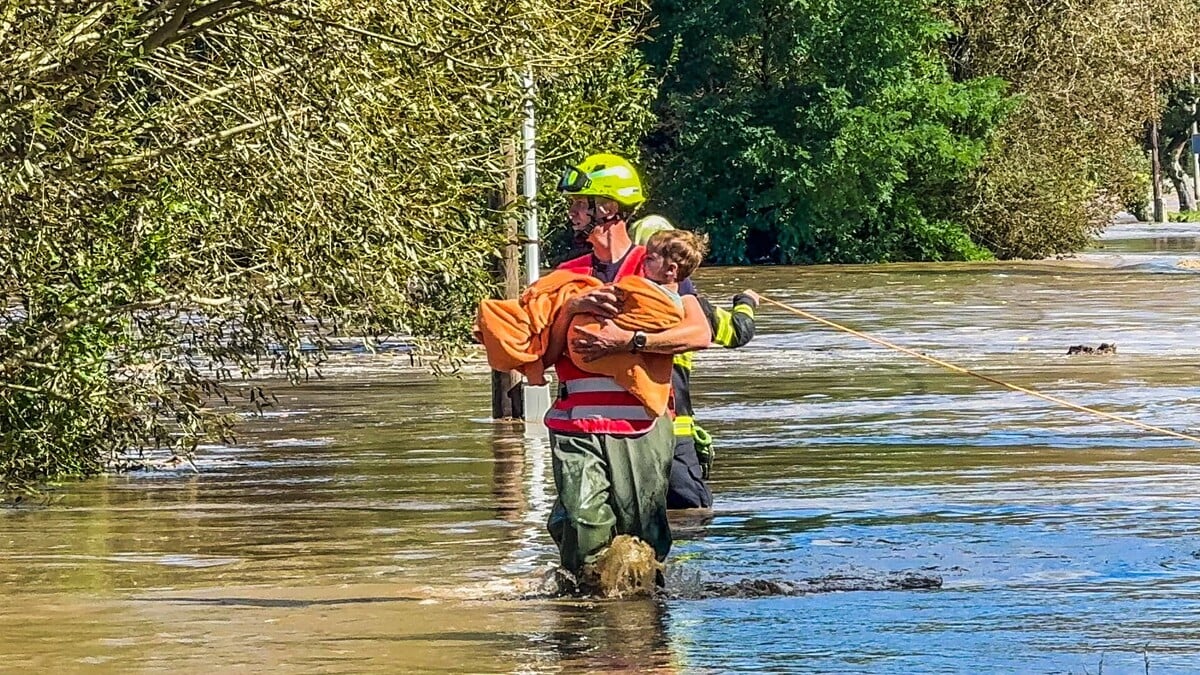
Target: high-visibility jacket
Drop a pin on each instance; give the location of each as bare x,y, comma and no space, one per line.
595,404
730,329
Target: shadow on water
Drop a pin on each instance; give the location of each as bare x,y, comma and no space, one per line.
873,514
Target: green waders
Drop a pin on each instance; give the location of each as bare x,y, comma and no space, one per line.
610,485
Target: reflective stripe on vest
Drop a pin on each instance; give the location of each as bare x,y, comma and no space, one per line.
685,425
745,309
601,412
592,385
684,360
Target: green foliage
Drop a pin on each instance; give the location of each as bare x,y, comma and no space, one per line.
196,190
1175,134
1185,217
1066,160
1135,193
817,130
603,107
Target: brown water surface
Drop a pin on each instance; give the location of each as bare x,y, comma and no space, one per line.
377,521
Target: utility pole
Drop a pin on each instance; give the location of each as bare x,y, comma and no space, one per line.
512,397
1160,215
528,140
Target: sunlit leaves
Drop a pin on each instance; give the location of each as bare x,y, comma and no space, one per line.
1086,76
191,192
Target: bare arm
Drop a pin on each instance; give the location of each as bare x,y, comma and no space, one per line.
690,335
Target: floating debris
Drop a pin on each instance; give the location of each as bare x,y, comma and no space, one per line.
1104,348
833,583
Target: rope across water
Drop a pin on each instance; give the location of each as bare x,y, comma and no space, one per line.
986,378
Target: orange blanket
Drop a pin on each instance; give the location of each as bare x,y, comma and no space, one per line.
515,333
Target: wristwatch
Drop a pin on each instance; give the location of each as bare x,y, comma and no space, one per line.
638,342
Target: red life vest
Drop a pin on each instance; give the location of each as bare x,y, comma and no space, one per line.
595,404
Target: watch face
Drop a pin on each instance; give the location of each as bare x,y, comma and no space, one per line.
639,340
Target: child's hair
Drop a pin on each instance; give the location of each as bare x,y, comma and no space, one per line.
685,249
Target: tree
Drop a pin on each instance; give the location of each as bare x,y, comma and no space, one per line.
1085,75
1179,113
816,130
193,190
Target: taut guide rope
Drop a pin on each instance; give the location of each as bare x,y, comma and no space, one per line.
986,378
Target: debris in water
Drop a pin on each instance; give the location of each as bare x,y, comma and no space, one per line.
759,588
627,568
1104,348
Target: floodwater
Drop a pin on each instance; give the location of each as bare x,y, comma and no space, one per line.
377,521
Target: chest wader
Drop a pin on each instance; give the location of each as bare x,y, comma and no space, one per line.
610,485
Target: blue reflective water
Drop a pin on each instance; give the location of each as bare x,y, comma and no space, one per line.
376,521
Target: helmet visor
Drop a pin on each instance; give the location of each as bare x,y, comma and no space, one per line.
574,179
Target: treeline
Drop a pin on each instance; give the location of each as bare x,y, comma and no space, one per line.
193,190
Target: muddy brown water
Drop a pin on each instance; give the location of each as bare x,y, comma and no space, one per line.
377,521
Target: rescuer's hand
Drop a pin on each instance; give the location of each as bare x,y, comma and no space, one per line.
601,303
592,344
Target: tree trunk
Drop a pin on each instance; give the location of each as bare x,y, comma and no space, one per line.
508,401
1173,158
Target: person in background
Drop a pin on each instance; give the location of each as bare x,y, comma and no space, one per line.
731,328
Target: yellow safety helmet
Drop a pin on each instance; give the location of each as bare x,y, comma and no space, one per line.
647,227
604,175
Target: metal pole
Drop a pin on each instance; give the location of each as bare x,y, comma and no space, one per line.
1160,214
1195,146
528,137
536,399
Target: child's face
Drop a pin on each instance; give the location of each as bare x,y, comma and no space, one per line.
658,269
